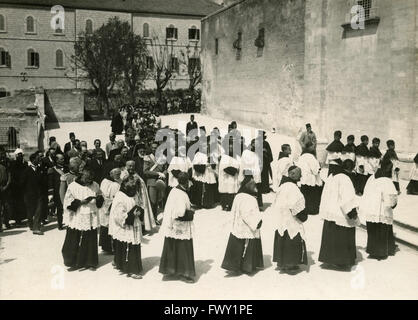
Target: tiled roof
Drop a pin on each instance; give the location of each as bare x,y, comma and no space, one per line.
173,7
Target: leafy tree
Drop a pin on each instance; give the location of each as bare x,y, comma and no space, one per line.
110,56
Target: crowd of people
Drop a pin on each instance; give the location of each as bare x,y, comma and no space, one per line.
111,197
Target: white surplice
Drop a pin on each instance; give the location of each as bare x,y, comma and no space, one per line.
338,199
250,163
177,203
109,189
87,215
228,183
310,170
118,229
177,163
288,203
247,216
379,197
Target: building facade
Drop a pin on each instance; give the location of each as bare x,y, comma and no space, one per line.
283,63
37,37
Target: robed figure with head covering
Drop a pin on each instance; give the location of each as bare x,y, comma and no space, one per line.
177,258
339,211
244,253
289,209
376,208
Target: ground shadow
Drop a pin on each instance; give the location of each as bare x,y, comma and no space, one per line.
266,206
359,255
267,261
50,226
326,266
7,261
149,263
11,233
104,259
202,267
311,261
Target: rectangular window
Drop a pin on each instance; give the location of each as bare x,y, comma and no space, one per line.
367,6
194,34
150,63
33,59
174,64
194,65
172,33
4,93
5,59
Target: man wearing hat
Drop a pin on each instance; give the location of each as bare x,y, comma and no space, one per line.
5,180
308,136
17,168
69,145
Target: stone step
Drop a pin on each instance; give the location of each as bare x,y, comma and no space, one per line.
404,234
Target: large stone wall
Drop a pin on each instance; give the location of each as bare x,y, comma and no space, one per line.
262,90
359,81
64,105
20,113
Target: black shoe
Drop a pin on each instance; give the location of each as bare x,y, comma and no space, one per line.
8,226
45,222
38,232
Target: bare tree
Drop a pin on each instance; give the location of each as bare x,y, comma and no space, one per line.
163,64
134,67
191,58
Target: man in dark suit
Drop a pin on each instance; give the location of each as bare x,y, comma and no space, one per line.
155,172
69,145
96,166
117,123
54,182
120,145
32,189
139,159
191,125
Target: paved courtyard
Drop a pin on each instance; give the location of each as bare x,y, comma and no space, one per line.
31,267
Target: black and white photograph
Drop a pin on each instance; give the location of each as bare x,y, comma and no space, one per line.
222,150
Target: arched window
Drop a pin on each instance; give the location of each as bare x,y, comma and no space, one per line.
30,24
12,138
59,58
33,58
58,28
145,30
171,32
2,23
4,92
194,33
3,57
89,26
